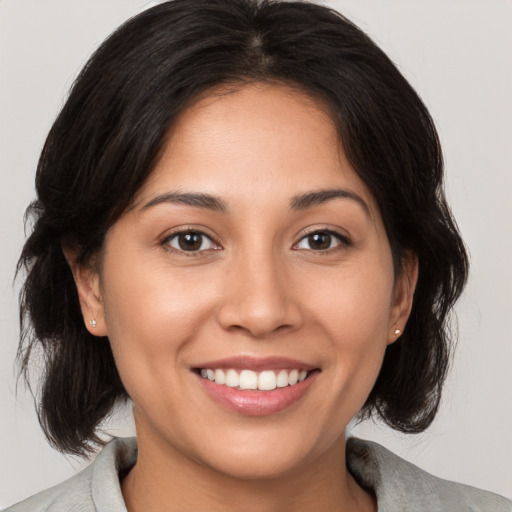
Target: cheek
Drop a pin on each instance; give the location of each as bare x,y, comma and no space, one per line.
353,308
353,302
151,314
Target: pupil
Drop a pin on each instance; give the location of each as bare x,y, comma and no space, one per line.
320,241
190,241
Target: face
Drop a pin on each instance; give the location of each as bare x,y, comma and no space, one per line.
253,257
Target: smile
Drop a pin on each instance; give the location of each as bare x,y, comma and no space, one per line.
256,386
266,380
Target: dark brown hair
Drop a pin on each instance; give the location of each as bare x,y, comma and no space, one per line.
107,138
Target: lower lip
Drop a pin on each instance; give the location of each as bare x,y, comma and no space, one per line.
254,402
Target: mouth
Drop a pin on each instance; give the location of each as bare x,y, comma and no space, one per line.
245,379
256,387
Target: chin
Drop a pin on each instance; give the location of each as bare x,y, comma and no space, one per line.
266,456
258,466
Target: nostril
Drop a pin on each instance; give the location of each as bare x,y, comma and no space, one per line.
258,303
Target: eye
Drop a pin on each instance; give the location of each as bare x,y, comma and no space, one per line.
321,241
190,241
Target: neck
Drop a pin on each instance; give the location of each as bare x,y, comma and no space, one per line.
165,479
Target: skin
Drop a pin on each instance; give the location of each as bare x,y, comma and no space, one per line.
258,288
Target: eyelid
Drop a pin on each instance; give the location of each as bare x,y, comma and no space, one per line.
164,241
344,239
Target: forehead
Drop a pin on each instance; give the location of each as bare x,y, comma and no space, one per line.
270,106
252,142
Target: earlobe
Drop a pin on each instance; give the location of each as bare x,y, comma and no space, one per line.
87,281
403,294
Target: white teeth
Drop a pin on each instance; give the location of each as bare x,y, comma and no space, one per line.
293,377
282,379
266,380
232,379
248,379
220,377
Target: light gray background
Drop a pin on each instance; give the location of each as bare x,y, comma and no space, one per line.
457,54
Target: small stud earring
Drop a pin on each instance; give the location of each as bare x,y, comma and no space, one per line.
398,332
93,323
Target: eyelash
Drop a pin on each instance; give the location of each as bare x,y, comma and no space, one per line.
166,242
343,241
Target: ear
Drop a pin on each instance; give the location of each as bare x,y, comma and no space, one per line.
403,293
87,280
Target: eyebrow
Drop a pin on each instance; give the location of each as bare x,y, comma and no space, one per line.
300,202
206,201
315,198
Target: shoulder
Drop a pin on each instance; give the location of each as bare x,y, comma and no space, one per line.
73,494
400,485
96,488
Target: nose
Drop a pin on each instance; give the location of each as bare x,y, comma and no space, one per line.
259,299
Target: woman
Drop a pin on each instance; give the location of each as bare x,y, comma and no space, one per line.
240,225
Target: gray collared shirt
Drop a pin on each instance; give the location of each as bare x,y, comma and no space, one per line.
397,484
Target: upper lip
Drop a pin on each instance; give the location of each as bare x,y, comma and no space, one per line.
256,363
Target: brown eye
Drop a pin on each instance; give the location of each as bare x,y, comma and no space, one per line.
190,241
321,241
